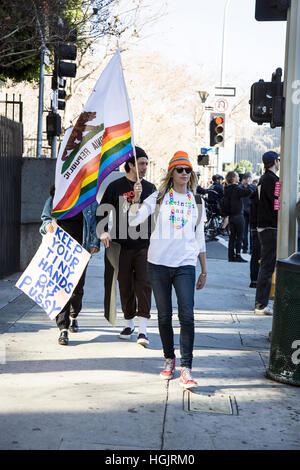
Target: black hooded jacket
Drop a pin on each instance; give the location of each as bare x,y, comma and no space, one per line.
235,193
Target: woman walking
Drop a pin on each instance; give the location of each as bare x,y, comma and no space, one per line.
176,242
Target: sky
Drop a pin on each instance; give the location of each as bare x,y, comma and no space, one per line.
191,32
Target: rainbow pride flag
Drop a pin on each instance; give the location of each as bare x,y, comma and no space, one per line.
99,143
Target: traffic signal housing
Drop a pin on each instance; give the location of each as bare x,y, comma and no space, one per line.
271,10
217,129
267,102
53,126
203,160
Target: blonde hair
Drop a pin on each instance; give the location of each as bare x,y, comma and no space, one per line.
167,182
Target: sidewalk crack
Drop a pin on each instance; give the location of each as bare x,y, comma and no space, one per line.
165,417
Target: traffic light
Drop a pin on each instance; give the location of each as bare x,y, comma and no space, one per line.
61,93
203,160
217,129
266,101
66,52
62,68
53,126
271,10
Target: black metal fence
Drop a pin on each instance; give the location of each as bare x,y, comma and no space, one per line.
11,149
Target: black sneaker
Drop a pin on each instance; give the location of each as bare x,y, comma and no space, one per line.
143,340
63,338
126,333
239,259
74,325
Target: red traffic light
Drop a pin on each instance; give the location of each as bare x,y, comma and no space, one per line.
219,120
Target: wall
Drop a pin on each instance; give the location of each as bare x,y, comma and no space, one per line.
37,177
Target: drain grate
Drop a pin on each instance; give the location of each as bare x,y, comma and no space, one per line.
209,403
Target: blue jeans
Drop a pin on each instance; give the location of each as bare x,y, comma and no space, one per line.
162,278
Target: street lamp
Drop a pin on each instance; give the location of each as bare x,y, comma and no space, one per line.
203,96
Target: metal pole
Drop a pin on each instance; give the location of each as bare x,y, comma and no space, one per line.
289,162
41,104
223,41
54,110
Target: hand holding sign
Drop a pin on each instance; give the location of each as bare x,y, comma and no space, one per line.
54,271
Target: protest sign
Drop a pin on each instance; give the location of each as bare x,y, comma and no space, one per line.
54,271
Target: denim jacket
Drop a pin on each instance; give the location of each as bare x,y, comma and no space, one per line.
89,223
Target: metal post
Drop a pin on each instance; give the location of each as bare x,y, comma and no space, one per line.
223,41
54,110
41,104
289,162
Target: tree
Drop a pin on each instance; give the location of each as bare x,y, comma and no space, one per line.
28,26
243,166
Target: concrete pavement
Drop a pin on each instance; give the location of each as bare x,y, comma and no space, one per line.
104,393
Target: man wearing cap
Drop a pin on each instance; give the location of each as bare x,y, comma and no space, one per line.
267,212
134,288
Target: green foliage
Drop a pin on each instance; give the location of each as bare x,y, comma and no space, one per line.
243,166
25,27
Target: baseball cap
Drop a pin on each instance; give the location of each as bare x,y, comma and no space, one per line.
270,156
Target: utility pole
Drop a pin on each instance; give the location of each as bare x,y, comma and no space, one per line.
41,103
289,162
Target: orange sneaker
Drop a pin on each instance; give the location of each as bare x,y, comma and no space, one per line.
169,369
186,380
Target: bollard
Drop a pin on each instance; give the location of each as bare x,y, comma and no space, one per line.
284,363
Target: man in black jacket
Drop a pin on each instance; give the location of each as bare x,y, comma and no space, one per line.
267,212
134,287
233,194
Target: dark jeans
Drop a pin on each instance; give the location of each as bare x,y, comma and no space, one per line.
162,279
236,225
255,256
74,227
135,289
268,243
246,235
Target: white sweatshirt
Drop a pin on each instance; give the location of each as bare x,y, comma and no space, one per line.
170,246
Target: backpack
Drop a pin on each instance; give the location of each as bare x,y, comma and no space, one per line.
224,203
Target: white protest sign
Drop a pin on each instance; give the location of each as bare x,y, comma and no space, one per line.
54,271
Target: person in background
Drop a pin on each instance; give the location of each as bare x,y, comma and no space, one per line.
267,215
255,252
134,287
175,244
66,320
233,194
247,181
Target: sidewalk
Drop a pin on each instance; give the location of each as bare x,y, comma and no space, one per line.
104,393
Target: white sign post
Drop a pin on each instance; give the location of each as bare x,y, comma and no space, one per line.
54,271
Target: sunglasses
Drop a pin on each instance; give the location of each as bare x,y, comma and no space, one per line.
187,170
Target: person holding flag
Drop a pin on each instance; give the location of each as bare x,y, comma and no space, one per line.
131,261
100,141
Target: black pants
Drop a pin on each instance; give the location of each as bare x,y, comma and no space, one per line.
74,227
255,256
268,243
236,225
134,286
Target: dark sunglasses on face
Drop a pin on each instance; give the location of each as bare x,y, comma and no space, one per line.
187,170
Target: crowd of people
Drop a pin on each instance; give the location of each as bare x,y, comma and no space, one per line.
159,235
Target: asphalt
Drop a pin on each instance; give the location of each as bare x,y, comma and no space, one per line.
102,393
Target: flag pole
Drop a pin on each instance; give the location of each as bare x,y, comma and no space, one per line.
129,114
